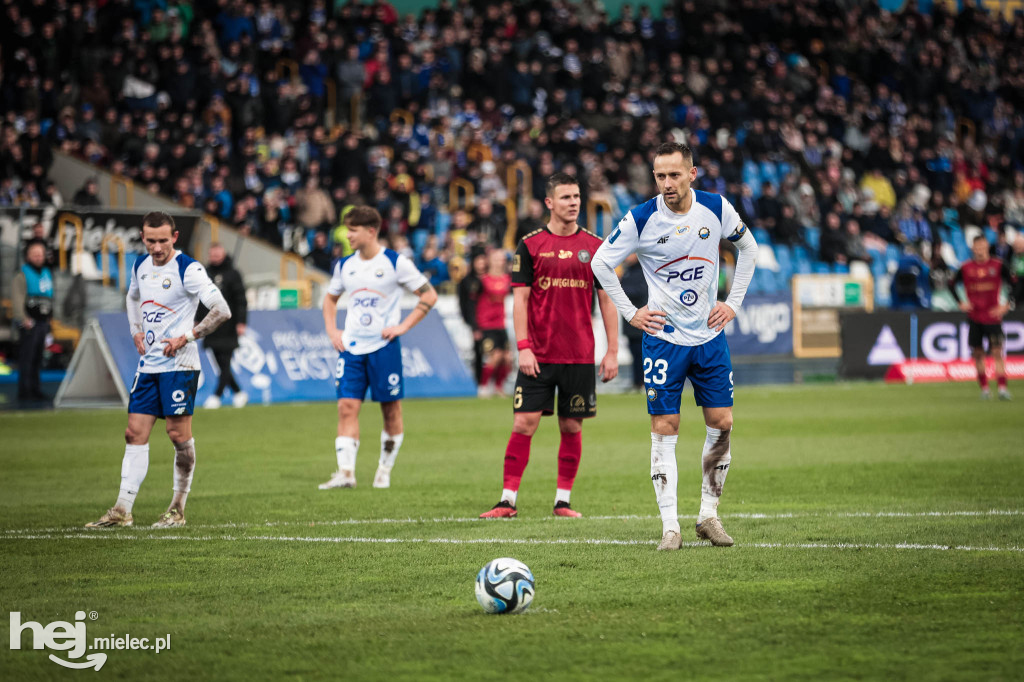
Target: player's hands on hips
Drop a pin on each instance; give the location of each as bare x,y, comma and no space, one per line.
609,366
965,306
140,343
393,332
172,346
650,321
336,340
528,364
721,315
1000,310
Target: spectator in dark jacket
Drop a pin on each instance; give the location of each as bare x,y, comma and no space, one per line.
224,340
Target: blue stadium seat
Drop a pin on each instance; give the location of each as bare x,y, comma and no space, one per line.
769,173
112,260
761,235
444,221
820,268
892,256
877,261
813,237
784,169
418,240
785,260
801,260
960,248
841,268
129,260
882,295
752,177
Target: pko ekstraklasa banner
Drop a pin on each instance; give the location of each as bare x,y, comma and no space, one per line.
763,326
285,356
922,346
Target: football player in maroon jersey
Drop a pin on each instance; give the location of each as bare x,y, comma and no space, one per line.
982,278
553,293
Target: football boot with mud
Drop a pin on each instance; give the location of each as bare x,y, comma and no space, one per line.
711,529
670,540
172,518
114,518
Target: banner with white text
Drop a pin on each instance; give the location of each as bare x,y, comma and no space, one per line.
285,356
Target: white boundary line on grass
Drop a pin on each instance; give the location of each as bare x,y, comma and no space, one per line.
622,517
114,535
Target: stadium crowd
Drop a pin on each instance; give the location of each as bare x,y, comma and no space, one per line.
841,132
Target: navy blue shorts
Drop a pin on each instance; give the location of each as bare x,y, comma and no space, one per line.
379,371
164,394
667,366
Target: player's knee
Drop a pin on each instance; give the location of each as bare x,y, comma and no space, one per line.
130,436
524,425
177,434
722,423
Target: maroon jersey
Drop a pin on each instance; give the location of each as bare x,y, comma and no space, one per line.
982,282
557,270
490,307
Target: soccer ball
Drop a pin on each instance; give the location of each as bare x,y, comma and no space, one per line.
504,586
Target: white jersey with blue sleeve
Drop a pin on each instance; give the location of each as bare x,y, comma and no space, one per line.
374,289
679,257
168,296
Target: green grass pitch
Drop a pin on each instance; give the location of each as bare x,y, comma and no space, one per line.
878,533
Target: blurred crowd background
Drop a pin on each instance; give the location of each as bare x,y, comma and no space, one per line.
846,136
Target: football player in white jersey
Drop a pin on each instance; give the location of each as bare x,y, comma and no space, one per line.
676,238
370,355
165,290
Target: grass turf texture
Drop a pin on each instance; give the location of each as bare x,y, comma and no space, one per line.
288,592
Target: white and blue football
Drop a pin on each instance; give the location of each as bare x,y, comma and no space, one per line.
504,586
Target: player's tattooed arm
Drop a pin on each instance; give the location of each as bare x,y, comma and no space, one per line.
218,314
426,305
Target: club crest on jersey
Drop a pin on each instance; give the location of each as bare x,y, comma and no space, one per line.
688,297
652,394
379,273
703,233
166,284
664,240
584,256
563,254
682,229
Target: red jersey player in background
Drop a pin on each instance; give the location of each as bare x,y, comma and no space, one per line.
553,292
490,320
982,277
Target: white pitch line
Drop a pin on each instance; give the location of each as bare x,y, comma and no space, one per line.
621,517
504,541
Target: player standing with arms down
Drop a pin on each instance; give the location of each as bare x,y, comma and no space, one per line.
982,277
676,237
370,355
553,291
166,288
